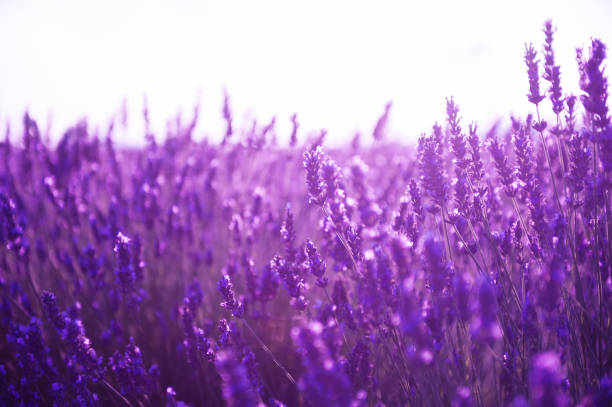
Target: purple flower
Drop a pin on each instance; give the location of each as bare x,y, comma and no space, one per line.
332,179
288,235
462,161
125,276
230,302
344,309
595,86
579,159
324,382
500,159
433,178
358,366
312,164
195,294
381,124
81,353
534,95
316,264
545,380
293,281
404,323
227,115
235,385
91,263
522,149
124,270
268,283
52,311
486,327
12,227
138,263
196,341
250,273
415,198
129,371
552,72
438,269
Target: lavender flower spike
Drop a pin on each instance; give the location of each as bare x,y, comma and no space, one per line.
595,85
230,302
312,164
316,264
534,95
552,72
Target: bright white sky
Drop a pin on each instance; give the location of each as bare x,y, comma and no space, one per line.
335,63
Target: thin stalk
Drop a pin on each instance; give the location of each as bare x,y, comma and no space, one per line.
520,217
398,372
116,393
560,146
269,352
596,231
478,391
445,229
586,313
507,273
600,325
552,175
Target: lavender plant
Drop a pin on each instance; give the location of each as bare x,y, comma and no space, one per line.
473,269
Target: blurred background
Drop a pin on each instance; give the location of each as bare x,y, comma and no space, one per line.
335,63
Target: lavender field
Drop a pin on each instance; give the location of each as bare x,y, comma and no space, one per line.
470,269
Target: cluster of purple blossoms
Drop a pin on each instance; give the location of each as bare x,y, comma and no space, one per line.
230,302
472,269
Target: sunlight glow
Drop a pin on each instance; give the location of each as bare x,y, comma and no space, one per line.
334,63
